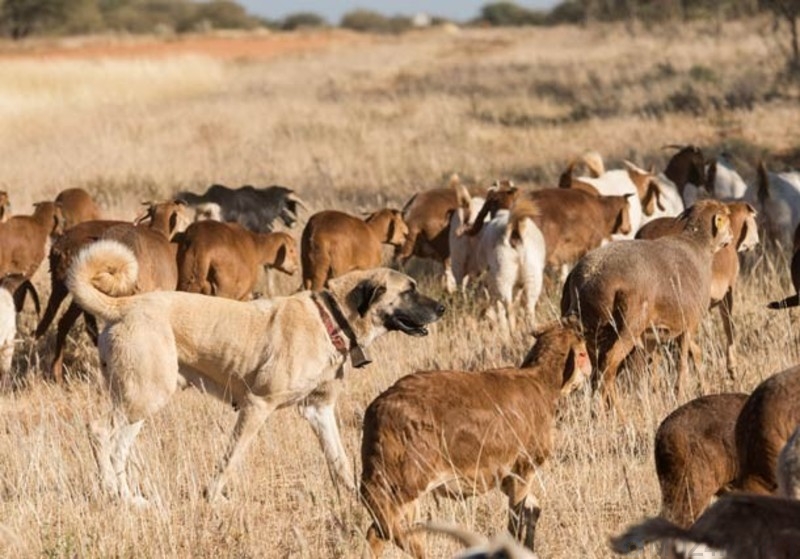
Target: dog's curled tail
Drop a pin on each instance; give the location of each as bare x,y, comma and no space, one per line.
101,275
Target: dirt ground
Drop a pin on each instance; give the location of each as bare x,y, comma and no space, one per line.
222,46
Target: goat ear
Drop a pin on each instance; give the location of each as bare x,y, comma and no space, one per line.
365,294
173,222
719,221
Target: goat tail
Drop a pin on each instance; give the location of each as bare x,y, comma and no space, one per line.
763,181
523,209
101,275
649,531
594,162
789,302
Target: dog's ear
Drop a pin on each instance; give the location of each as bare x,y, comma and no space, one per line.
365,294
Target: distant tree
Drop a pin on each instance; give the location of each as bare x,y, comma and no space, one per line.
303,19
509,13
20,18
225,14
368,20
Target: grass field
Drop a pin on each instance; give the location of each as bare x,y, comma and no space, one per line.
357,124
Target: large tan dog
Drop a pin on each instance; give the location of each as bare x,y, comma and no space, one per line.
261,355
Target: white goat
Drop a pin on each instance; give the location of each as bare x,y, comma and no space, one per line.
777,196
13,288
648,200
463,247
512,247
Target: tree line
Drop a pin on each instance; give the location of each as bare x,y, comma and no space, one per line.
22,18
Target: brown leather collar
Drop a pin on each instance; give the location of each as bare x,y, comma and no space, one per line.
335,332
339,330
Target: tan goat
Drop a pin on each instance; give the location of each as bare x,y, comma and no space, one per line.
460,433
624,290
224,259
150,243
334,243
77,206
725,266
695,454
23,239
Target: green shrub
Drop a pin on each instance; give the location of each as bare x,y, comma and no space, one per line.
510,14
374,22
303,19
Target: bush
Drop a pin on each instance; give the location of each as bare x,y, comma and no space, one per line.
510,14
303,19
367,20
567,12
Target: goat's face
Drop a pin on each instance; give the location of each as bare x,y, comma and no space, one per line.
709,221
287,258
743,225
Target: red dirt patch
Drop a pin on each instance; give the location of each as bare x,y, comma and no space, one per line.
254,46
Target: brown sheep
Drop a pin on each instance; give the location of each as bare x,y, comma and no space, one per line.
334,243
725,266
460,433
156,270
625,289
77,206
23,239
738,526
769,417
574,222
794,269
695,454
224,259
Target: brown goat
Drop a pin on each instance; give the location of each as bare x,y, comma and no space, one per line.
738,526
624,290
463,433
427,216
150,244
695,453
334,243
23,239
794,269
224,259
769,417
725,265
77,206
574,222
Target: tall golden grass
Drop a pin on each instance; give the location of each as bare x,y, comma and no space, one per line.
358,127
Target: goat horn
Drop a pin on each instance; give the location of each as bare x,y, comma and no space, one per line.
296,199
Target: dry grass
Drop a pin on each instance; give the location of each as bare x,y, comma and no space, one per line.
359,127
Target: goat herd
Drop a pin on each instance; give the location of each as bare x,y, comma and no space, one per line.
453,433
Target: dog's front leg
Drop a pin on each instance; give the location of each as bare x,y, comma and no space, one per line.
319,410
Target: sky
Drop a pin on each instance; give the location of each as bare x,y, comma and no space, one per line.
332,10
